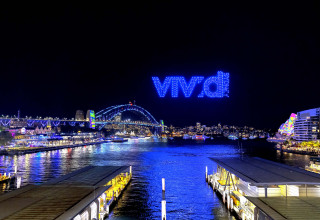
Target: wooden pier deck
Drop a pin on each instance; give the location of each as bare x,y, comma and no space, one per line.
65,197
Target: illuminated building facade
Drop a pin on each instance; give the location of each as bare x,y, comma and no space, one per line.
307,125
287,128
91,118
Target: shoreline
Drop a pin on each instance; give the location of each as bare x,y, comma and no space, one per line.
299,152
43,149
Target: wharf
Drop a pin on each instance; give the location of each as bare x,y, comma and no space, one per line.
302,152
30,150
289,208
87,193
255,188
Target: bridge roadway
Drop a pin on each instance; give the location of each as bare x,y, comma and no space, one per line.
88,193
102,118
54,122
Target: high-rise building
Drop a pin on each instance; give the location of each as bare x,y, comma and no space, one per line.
306,126
79,115
88,115
198,126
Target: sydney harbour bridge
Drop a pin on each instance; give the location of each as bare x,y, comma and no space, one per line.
101,120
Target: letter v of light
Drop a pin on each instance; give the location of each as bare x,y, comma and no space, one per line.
161,88
188,89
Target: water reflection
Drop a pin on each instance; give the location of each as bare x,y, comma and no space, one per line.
181,163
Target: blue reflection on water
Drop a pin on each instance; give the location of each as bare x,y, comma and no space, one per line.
181,163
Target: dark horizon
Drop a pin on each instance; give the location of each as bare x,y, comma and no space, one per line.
55,60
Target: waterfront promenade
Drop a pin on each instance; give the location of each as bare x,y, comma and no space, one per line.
27,150
304,148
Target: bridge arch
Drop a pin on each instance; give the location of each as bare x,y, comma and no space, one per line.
110,112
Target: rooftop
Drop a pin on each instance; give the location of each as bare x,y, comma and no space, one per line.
60,198
289,208
261,172
89,176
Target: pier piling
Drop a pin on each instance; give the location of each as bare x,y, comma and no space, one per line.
228,202
18,181
163,202
163,210
163,185
207,173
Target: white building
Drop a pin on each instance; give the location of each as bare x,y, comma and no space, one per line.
306,126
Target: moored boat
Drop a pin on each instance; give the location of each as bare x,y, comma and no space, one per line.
232,137
314,165
199,137
119,139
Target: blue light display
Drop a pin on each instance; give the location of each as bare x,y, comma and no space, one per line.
221,81
175,86
188,89
162,89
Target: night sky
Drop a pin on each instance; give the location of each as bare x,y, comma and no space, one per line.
55,59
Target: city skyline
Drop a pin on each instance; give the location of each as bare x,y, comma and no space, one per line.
160,109
72,58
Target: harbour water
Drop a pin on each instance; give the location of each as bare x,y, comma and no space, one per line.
181,162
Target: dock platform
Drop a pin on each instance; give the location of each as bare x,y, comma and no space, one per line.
255,188
87,193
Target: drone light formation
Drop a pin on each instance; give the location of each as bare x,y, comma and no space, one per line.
221,81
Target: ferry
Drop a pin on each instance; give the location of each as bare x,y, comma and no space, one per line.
119,139
186,137
314,165
155,137
199,137
244,138
274,139
232,137
107,139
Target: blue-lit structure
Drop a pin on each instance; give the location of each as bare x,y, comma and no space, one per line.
102,118
162,88
106,116
221,82
6,121
187,89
